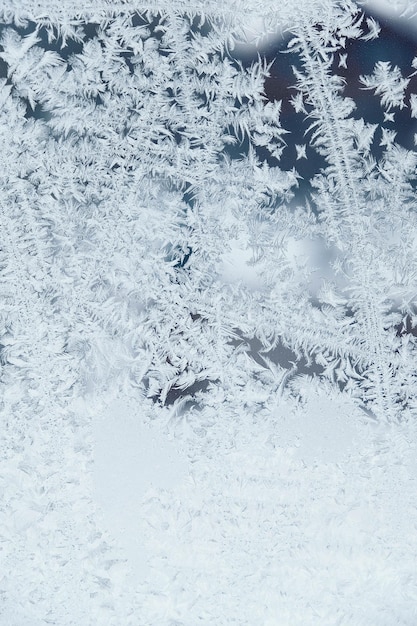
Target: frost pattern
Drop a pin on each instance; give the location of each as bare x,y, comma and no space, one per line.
138,151
119,155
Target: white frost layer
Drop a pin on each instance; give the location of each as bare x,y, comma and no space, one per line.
129,459
264,526
283,519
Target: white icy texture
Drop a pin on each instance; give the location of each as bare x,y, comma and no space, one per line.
208,380
256,522
129,459
270,525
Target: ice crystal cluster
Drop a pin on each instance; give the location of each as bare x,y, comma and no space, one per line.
142,158
137,150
